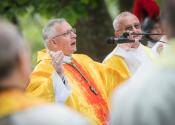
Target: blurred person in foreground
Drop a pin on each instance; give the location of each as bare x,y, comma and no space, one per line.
128,57
149,100
80,83
15,107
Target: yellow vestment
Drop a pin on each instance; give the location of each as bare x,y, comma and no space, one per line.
90,95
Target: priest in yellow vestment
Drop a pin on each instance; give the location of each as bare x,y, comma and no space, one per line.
81,83
128,57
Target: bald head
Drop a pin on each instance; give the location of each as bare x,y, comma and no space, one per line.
11,45
118,21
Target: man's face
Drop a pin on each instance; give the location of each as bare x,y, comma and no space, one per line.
65,38
129,23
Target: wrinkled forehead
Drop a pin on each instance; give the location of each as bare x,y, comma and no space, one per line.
62,27
128,20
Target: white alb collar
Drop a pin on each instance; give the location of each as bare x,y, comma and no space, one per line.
67,59
123,53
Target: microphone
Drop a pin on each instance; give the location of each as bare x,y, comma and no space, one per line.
113,40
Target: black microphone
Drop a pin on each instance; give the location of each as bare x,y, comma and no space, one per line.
113,40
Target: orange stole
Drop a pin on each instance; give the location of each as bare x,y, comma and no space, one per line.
94,98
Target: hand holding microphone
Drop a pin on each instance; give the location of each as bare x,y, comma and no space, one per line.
57,61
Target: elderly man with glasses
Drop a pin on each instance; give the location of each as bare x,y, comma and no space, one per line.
73,79
128,57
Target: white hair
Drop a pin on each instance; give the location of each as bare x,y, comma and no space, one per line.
49,29
116,22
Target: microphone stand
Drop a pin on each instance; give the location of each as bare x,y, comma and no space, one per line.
126,34
124,37
113,40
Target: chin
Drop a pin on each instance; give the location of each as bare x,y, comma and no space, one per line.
74,50
135,45
70,53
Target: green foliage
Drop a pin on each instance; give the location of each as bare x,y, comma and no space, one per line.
71,10
32,31
32,15
11,8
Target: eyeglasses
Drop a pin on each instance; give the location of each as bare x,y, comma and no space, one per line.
131,27
67,33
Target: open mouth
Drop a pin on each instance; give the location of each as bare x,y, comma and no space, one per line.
72,44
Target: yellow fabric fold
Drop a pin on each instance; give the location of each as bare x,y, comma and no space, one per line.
105,78
12,101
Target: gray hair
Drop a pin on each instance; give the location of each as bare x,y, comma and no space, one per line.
11,45
49,29
116,22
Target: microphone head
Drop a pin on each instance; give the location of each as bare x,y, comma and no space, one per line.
115,40
110,40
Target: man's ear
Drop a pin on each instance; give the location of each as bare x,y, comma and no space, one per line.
51,44
52,41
